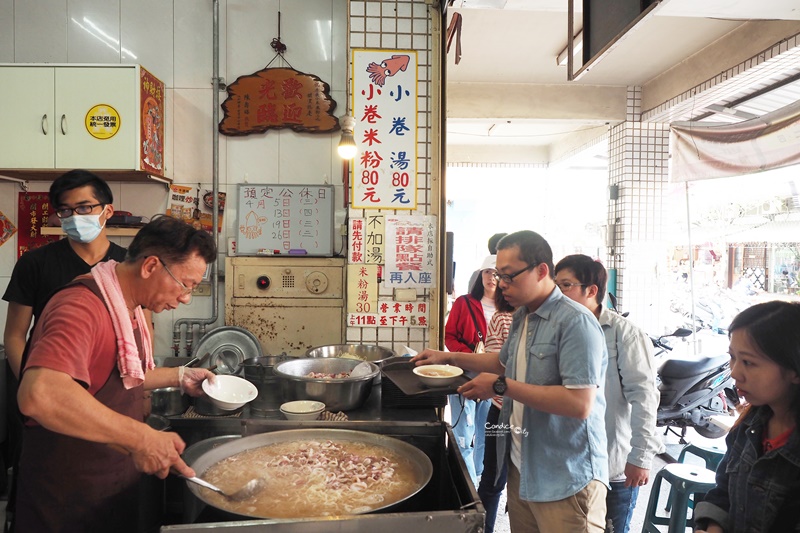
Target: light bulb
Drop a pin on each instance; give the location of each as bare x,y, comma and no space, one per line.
347,146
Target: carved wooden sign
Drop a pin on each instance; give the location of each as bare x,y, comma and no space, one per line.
276,98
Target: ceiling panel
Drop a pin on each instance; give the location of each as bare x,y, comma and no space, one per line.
733,9
518,41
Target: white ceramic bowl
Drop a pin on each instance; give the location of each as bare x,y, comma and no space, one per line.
302,410
230,392
438,375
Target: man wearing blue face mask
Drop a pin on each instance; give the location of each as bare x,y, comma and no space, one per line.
83,202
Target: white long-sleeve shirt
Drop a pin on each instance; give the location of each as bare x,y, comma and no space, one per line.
631,396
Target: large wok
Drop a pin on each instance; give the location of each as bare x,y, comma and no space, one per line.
423,468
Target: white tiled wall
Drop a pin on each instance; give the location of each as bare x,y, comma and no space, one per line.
638,163
397,24
174,40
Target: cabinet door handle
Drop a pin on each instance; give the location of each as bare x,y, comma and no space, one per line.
63,124
45,125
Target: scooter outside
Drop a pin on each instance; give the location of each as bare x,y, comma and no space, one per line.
693,390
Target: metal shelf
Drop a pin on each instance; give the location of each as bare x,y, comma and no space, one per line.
134,176
110,231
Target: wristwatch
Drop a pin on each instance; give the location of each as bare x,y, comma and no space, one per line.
500,386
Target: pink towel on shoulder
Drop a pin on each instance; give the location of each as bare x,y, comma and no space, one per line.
129,360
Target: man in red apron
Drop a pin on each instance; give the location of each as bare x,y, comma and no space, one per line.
87,367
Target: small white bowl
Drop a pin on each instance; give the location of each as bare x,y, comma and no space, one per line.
302,410
230,392
438,375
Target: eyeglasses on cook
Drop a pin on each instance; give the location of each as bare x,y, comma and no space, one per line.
186,290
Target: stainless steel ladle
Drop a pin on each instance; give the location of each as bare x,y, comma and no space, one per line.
250,489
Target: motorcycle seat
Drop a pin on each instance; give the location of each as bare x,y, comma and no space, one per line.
681,368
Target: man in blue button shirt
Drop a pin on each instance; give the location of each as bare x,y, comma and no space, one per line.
552,368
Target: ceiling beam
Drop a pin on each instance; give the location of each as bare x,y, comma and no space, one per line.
499,154
589,103
738,46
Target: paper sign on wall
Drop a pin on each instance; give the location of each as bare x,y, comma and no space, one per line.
385,109
355,241
152,148
7,228
374,237
34,210
362,288
186,203
392,314
410,251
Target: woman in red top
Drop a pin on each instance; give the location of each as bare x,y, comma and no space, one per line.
465,330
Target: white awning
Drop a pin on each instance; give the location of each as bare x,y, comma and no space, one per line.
716,151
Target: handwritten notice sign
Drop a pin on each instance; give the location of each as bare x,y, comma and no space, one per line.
276,98
355,242
385,109
362,288
410,251
374,234
285,219
392,314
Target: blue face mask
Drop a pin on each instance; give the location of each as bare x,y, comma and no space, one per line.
82,228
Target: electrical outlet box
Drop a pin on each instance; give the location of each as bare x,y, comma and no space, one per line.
203,289
343,230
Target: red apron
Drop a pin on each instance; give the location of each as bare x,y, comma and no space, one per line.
68,484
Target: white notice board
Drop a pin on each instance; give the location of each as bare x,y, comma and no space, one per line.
290,219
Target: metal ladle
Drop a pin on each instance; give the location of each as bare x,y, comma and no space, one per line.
250,489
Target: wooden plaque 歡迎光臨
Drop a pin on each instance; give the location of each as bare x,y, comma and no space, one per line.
276,98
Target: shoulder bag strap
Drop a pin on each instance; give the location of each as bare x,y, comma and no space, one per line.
475,320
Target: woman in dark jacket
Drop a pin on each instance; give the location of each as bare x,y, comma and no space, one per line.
465,330
758,480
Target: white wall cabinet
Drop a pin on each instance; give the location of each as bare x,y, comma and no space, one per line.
56,118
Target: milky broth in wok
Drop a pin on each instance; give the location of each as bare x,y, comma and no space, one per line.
313,478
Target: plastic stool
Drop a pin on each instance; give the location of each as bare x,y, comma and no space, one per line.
685,481
711,454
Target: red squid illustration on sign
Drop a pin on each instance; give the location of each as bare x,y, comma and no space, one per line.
251,229
387,68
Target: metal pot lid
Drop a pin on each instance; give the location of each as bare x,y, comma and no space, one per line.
227,347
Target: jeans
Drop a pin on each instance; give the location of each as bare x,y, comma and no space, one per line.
481,413
488,490
619,507
463,421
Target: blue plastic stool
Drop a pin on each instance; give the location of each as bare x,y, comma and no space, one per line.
711,454
685,481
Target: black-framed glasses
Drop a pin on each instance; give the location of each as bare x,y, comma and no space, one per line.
508,278
86,209
566,285
186,290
